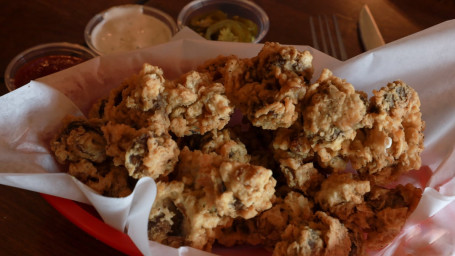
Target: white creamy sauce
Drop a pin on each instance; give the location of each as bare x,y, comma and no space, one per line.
128,28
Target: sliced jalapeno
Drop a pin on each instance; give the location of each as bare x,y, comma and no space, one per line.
216,25
251,26
228,30
203,21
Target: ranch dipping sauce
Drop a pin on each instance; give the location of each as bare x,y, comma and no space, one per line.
128,27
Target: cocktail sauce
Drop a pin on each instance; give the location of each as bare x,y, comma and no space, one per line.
44,66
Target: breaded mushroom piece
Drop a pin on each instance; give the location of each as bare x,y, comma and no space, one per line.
138,102
236,189
209,192
197,105
332,113
392,140
78,139
268,87
104,178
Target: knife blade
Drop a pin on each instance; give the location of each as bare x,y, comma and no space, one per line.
369,32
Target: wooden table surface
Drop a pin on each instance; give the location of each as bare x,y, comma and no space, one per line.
28,224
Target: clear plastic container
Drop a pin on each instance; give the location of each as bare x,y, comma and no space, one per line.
128,27
48,58
242,8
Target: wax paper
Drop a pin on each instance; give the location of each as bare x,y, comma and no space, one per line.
32,114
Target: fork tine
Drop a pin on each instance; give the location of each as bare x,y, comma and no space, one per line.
339,38
313,34
321,30
326,32
329,35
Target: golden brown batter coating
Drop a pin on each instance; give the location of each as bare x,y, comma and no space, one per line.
303,177
237,189
151,155
197,105
332,114
217,185
292,142
300,240
119,138
138,102
268,87
291,227
181,216
374,215
336,237
165,219
225,144
209,193
141,151
80,138
201,219
391,143
341,193
324,235
293,151
104,178
391,208
374,218
267,228
279,63
216,67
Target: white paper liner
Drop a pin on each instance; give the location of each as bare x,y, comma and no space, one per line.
425,61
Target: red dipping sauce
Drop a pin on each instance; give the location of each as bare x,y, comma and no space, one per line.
44,66
43,60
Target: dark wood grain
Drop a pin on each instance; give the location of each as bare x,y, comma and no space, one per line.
28,224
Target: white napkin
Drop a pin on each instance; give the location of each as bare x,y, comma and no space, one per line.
425,61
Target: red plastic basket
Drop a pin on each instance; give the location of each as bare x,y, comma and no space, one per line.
93,225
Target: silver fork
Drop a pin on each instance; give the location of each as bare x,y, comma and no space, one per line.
328,30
